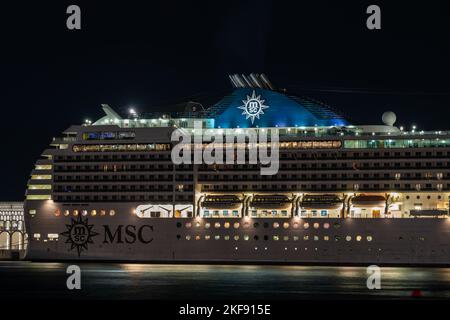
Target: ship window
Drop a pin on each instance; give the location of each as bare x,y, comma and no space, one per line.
84,213
37,236
358,238
225,213
93,213
66,212
236,225
306,237
75,213
217,225
316,238
369,238
57,213
286,225
188,225
236,237
197,237
276,238
188,237
326,238
326,225
207,237
337,238
217,237
286,238
206,213
227,237
348,238
306,225
207,225
295,225
295,238
246,237
32,212
276,225
103,212
235,213
112,212
226,225
52,236
197,224
316,225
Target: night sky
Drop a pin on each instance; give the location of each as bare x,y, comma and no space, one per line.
148,54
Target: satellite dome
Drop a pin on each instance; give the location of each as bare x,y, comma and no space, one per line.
389,118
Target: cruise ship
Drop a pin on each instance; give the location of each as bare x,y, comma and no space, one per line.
342,193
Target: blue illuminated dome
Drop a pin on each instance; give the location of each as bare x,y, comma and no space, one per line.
261,107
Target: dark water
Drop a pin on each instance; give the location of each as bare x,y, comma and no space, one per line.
146,281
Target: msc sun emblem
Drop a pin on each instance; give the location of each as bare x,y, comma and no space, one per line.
253,107
79,234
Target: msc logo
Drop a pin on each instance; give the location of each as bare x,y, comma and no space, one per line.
79,234
253,107
128,234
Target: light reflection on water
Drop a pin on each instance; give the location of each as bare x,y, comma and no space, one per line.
158,281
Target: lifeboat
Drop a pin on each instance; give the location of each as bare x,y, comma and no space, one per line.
221,202
364,200
271,201
320,201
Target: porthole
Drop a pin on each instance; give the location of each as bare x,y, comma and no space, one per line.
246,237
197,237
369,238
227,237
276,238
337,238
295,225
326,225
316,225
217,225
207,225
286,238
306,237
93,213
336,225
326,238
57,213
236,225
103,212
112,212
84,213
276,225
217,237
226,225
197,224
75,213
236,237
66,212
286,225
306,225
295,238
188,225
188,237
316,238
358,238
348,238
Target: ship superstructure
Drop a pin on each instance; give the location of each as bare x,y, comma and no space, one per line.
343,193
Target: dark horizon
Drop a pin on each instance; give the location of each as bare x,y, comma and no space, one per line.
146,55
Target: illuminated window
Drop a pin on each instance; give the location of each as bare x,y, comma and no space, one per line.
57,213
276,225
32,212
84,213
326,238
348,238
39,187
286,225
316,238
43,167
207,225
197,237
112,212
188,237
369,238
41,177
217,237
295,238
316,225
75,213
93,213
236,237
37,236
295,225
197,224
246,237
326,225
226,225
226,237
207,237
217,225
236,225
39,197
337,238
286,238
66,212
306,225
103,212
188,225
306,237
358,238
276,238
